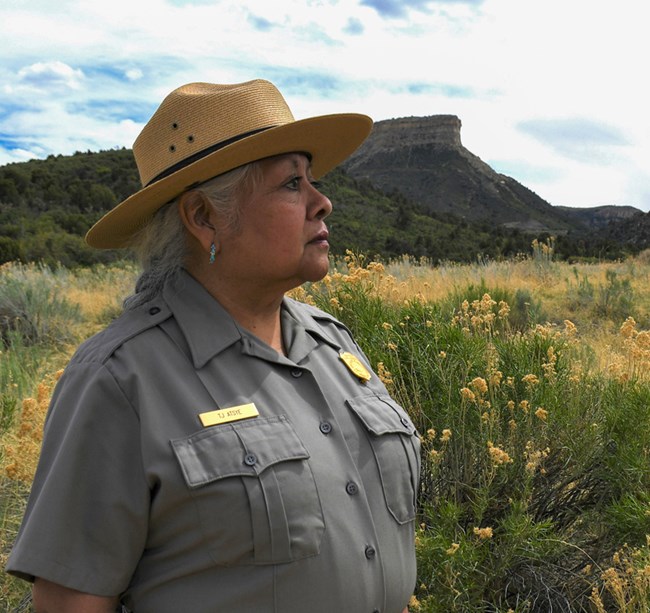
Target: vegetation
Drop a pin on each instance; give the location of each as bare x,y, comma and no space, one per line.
528,379
47,206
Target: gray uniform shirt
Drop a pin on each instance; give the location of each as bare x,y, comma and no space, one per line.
308,506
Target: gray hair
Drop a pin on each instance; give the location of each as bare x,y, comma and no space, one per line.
161,247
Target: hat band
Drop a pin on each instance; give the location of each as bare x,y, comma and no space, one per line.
201,154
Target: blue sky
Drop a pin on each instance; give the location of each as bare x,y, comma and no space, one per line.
550,92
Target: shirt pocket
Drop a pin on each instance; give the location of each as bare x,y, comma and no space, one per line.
254,490
396,447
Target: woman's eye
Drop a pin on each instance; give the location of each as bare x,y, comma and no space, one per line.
293,183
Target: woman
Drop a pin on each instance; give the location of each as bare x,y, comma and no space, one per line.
220,447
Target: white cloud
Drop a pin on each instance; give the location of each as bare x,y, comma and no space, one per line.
52,75
134,74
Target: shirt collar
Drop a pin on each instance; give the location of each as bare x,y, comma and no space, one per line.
208,328
303,325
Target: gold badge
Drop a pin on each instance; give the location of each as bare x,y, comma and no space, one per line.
223,416
356,366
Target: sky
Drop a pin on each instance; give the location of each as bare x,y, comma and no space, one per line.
549,92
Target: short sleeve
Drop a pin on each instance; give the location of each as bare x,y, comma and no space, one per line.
87,515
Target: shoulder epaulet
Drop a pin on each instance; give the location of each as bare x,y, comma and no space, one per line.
313,313
309,310
101,346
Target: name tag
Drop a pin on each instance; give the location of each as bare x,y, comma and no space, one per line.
223,416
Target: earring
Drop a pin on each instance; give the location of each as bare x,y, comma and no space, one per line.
213,253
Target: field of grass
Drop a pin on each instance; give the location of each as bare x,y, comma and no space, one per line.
529,381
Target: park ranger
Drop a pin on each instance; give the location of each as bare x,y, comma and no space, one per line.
221,447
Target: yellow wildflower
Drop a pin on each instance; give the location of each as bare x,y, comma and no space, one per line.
467,394
498,455
628,328
446,435
479,385
541,414
530,380
483,533
453,549
387,326
495,378
570,328
385,376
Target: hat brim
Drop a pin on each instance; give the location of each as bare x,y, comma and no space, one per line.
329,139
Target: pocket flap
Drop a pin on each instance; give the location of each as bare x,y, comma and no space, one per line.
382,415
242,449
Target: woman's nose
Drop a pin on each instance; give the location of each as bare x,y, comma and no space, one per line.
320,205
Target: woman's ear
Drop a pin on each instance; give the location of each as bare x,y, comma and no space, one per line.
197,215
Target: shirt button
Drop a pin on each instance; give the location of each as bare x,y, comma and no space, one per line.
325,427
250,459
154,310
370,552
296,372
352,488
405,422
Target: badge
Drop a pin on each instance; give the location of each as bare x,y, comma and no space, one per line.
356,366
223,416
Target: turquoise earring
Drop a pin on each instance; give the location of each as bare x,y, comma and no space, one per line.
213,253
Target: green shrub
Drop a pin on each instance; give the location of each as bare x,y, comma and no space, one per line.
533,470
31,309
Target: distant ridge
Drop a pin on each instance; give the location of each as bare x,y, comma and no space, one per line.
424,159
411,189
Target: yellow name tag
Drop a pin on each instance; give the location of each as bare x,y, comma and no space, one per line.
355,365
223,416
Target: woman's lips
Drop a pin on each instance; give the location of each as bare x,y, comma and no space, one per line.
320,239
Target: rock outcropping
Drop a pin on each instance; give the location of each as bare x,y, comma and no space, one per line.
423,159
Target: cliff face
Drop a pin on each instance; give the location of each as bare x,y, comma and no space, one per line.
433,131
424,159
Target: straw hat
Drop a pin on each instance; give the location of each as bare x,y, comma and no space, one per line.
202,130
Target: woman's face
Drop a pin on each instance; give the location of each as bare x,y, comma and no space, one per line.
282,240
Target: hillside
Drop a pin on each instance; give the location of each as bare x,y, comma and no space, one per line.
412,188
423,158
46,206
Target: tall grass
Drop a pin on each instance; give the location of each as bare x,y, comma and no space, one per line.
536,462
44,313
529,382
